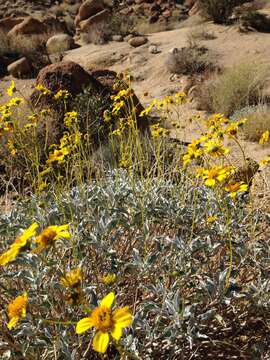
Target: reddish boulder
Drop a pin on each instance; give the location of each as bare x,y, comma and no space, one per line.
90,8
102,16
66,75
29,26
8,23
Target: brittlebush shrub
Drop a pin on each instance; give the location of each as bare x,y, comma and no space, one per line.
239,86
219,10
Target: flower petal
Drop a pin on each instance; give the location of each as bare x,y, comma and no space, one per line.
122,317
117,332
101,341
83,325
108,300
13,321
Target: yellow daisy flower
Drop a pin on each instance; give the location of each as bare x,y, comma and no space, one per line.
58,155
50,234
216,174
17,309
215,148
236,187
109,279
106,322
19,245
72,278
211,219
265,161
264,138
42,89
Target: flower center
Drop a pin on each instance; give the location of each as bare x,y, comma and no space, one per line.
16,307
102,318
47,236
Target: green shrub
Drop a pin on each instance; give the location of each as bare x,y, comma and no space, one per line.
189,60
236,88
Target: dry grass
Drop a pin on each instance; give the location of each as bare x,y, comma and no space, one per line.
199,33
239,86
258,121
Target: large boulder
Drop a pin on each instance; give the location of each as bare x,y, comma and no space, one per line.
87,25
29,26
33,26
65,75
20,68
9,22
59,43
89,8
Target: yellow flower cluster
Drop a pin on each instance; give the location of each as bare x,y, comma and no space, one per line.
43,241
157,130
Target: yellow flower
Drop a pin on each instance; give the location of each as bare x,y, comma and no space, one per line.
58,155
11,89
106,323
16,101
265,161
181,98
50,234
109,279
71,118
107,116
265,137
17,309
42,89
211,219
20,244
216,174
72,278
61,94
236,187
214,148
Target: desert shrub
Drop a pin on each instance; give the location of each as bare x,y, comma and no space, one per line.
258,121
255,20
219,10
170,267
236,88
199,33
189,60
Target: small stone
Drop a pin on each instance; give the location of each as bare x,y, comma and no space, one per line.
118,38
138,41
153,49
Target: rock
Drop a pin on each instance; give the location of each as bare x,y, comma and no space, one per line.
19,68
59,43
28,26
137,41
195,10
118,38
90,8
86,25
153,49
8,23
32,26
128,37
66,75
